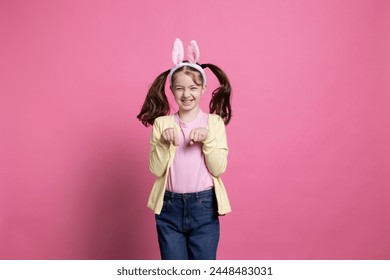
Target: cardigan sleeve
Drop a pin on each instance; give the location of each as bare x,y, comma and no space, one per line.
159,151
215,147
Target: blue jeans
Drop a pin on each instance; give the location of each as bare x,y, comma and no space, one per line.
188,226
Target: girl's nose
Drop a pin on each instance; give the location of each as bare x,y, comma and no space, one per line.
186,93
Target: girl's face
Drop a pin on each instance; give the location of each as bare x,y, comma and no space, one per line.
186,92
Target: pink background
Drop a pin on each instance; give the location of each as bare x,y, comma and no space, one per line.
308,172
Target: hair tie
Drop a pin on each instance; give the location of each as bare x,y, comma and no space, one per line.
193,55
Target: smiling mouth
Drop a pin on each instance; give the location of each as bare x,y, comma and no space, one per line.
187,101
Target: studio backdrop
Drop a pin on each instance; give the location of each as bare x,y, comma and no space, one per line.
308,173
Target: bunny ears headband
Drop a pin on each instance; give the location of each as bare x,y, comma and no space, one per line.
192,55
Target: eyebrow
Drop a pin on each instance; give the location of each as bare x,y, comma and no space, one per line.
193,85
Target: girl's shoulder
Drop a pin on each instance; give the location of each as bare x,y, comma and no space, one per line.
215,122
214,118
164,120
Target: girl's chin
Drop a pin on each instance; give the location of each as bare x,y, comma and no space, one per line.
188,108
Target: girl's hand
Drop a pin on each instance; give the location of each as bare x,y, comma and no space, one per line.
171,135
198,135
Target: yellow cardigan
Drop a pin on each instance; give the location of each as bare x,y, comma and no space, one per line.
161,157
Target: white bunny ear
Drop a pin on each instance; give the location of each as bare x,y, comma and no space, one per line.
193,52
177,52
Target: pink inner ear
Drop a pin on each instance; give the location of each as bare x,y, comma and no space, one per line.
177,52
193,52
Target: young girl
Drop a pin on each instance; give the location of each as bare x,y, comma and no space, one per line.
188,155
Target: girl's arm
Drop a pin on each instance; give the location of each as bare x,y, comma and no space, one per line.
215,148
159,151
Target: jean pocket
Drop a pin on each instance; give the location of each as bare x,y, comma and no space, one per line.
166,205
208,204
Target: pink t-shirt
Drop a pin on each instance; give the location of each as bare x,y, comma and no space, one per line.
189,172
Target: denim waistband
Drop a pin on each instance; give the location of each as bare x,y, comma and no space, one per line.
205,193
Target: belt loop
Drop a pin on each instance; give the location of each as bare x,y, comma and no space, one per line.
197,195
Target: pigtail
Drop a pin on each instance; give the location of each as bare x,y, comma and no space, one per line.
220,98
156,103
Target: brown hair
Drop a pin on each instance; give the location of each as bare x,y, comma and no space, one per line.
156,103
192,72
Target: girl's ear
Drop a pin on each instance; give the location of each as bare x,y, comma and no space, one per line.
203,89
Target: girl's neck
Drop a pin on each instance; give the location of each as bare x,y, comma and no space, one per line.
188,116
